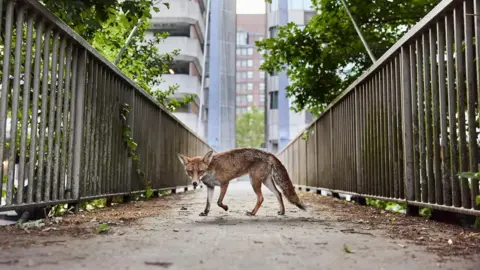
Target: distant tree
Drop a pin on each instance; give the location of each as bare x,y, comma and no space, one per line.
250,128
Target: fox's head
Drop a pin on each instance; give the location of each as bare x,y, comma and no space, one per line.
195,167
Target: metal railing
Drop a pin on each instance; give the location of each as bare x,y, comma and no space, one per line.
63,102
405,128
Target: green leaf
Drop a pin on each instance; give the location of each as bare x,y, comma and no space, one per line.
167,5
347,249
132,145
477,200
103,228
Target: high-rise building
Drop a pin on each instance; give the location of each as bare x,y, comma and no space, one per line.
250,86
185,23
220,89
282,124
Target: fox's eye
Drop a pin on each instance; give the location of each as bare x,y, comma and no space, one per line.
200,172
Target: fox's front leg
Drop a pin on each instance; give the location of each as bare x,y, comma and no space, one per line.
223,190
209,200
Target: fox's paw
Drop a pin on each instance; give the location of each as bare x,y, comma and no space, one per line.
250,214
203,214
225,207
281,213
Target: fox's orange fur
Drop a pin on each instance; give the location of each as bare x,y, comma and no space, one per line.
218,169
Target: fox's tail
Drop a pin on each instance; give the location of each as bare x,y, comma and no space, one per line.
280,177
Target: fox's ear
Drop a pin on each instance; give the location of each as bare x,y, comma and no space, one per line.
183,159
208,157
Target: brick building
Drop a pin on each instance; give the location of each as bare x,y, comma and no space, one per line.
250,86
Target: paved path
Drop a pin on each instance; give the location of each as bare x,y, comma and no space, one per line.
183,240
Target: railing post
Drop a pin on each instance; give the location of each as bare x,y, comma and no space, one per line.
131,122
357,142
78,126
407,135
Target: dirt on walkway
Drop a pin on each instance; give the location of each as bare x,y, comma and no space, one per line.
167,232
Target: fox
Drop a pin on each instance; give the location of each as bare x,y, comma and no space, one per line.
218,169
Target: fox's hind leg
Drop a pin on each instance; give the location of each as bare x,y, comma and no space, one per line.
257,187
271,186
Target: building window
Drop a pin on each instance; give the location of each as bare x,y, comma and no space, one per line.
262,75
242,38
300,4
250,74
238,63
262,86
239,86
274,5
241,99
239,51
250,86
244,51
273,100
244,87
307,5
250,63
262,98
244,63
295,4
249,98
250,51
273,31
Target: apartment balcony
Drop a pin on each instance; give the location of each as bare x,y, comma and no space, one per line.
190,50
180,12
187,84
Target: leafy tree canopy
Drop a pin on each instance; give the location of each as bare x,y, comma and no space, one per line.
106,25
250,128
327,55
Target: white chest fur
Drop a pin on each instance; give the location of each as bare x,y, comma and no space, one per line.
210,180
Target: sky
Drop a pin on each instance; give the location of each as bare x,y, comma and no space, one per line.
250,6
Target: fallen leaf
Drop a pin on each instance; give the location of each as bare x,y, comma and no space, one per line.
347,249
450,241
175,230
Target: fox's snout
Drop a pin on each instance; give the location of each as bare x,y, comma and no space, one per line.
195,184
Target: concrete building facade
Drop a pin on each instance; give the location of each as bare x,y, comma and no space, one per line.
282,124
220,90
250,87
185,23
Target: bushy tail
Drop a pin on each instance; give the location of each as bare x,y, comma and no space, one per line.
280,177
